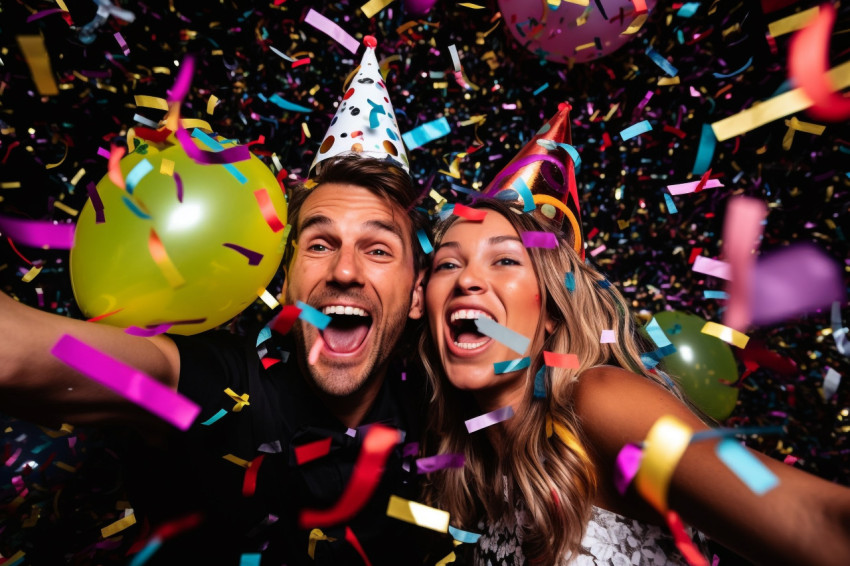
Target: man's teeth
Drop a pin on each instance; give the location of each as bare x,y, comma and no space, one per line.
468,314
340,309
469,346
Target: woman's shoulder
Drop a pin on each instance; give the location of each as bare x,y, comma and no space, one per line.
620,405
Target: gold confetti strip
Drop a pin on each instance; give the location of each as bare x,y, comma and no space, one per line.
268,298
471,6
807,127
579,2
164,70
65,208
241,400
58,163
237,460
146,101
729,335
211,104
636,24
62,5
188,123
451,557
30,275
167,167
10,185
76,178
32,519
305,129
669,81
63,466
585,46
418,514
473,120
372,7
792,23
118,525
35,54
315,536
775,108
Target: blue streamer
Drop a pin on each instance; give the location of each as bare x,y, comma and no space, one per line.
688,9
315,317
708,294
662,63
570,282
215,417
540,383
144,555
463,536
572,151
286,105
657,335
137,173
705,153
135,209
733,73
424,241
428,131
671,206
511,365
211,143
265,334
527,198
635,130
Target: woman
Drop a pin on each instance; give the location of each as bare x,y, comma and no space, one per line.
534,493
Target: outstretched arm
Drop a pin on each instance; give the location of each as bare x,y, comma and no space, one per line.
804,520
36,386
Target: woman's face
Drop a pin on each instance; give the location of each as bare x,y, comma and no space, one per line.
482,269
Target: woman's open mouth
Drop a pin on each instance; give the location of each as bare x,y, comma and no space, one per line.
464,336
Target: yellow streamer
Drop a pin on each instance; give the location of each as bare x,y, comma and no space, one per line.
792,23
241,400
418,514
237,460
663,448
729,335
65,208
315,536
118,526
38,60
167,167
146,101
213,100
30,275
568,438
774,108
10,185
372,7
268,298
547,199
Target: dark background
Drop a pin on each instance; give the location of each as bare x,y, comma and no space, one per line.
806,187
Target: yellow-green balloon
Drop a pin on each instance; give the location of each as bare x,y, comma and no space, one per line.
701,362
192,280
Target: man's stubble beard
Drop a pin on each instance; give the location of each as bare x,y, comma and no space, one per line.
338,381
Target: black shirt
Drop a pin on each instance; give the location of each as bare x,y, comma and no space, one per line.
191,473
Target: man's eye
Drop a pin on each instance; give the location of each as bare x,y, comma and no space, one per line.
379,252
318,248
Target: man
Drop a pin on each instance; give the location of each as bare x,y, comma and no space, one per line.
354,256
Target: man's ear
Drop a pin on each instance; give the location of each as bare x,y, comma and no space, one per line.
417,298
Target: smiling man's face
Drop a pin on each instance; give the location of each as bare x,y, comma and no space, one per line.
354,262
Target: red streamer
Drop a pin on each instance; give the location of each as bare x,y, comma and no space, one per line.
249,485
352,540
267,208
377,445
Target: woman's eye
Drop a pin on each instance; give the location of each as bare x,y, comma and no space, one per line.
507,261
446,265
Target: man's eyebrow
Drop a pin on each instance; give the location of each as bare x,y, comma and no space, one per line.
322,220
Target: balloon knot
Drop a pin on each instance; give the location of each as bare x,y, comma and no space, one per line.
565,105
370,41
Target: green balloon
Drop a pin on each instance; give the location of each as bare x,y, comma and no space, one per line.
703,364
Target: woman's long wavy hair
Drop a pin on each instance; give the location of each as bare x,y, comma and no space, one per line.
555,482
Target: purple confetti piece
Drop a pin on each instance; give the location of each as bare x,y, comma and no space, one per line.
254,258
628,462
96,203
38,233
488,419
148,332
794,281
439,462
532,239
179,182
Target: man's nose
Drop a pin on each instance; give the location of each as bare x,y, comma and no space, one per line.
347,268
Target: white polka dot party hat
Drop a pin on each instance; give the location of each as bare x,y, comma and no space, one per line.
365,120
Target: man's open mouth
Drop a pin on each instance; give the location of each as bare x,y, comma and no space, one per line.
464,333
347,329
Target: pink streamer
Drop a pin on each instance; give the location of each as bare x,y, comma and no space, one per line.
338,34
183,81
742,230
686,188
198,155
532,239
628,462
439,462
38,233
488,419
127,381
713,267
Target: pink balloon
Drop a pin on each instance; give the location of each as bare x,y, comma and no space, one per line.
419,7
555,35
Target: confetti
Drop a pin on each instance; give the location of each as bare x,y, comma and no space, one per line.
488,419
313,316
425,133
531,239
418,514
127,381
635,130
335,32
746,466
502,334
511,365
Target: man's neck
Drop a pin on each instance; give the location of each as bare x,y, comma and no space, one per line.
352,409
